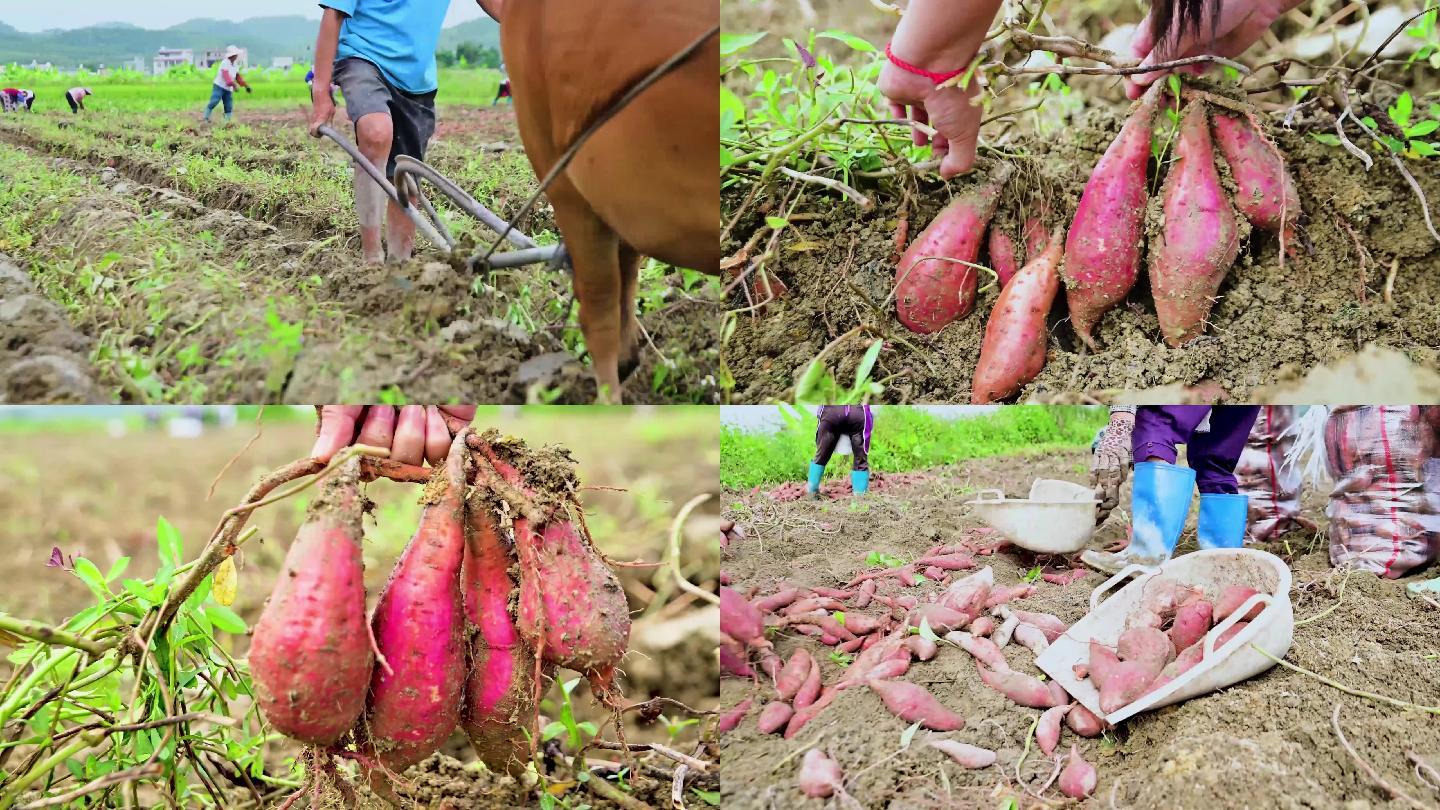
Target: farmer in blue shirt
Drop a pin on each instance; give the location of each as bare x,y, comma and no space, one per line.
382,55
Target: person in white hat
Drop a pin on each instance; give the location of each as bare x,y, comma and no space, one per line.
227,78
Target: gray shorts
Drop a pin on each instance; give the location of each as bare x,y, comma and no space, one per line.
366,92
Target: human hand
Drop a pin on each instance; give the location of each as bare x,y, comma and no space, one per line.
1111,462
417,433
948,111
1238,25
322,111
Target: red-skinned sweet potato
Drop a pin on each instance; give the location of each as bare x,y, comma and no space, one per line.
1192,622
1199,238
1147,645
914,704
1047,731
793,676
1024,689
820,776
311,654
1016,337
773,717
932,285
1078,779
731,718
968,756
1102,250
1003,258
419,625
983,649
809,691
1124,683
1048,623
1082,721
1230,601
1264,190
1103,661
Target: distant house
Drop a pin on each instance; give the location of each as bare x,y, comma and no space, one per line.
167,58
212,56
282,62
137,64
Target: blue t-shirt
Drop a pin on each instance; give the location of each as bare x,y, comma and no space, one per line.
397,36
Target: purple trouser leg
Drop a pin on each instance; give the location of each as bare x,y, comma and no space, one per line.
1213,456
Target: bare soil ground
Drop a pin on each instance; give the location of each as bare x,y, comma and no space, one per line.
1263,743
100,496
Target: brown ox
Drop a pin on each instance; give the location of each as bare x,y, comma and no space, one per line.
646,182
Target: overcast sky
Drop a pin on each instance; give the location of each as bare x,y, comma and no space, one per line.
28,16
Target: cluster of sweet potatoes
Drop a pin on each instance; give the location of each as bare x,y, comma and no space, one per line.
1099,258
1162,640
497,587
883,631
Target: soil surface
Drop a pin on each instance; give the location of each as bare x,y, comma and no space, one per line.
63,491
1264,743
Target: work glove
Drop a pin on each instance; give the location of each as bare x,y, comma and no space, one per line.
1110,463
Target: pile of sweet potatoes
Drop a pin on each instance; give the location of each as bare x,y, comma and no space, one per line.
1194,244
498,586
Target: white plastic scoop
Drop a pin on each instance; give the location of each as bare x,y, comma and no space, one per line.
1214,570
1057,518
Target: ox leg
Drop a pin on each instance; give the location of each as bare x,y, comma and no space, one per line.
595,253
630,261
373,134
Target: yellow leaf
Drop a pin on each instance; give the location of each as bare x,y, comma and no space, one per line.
10,640
801,247
225,583
559,788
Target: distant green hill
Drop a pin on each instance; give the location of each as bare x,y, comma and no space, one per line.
112,44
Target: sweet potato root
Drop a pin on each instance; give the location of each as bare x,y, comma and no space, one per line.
983,649
1078,779
1199,238
774,717
1264,190
1103,661
934,283
1146,645
1124,683
1003,257
1230,601
1082,721
731,718
310,655
1102,250
913,704
1192,622
967,755
1023,689
1016,337
1052,626
1047,731
793,676
739,619
810,689
820,776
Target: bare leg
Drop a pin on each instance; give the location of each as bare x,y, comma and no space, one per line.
374,133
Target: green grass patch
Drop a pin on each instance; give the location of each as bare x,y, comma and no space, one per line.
906,439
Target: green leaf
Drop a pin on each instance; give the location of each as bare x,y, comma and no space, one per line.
867,363
1031,575
1400,113
855,43
926,633
589,728
1422,128
167,537
908,734
553,730
735,43
710,797
117,568
92,578
776,223
1326,138
840,617
1424,149
225,619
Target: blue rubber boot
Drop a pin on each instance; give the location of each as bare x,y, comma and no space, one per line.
1160,501
813,486
860,481
1222,520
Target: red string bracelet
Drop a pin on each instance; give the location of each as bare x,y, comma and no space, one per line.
937,78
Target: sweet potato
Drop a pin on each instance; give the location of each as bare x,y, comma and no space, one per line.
1047,731
948,562
808,713
983,626
1102,662
311,654
810,689
933,283
983,649
1058,695
833,593
1016,337
1192,622
1183,662
922,648
820,776
890,668
1003,258
499,710
1102,250
1002,636
913,704
1230,601
774,716
852,645
968,595
940,618
1000,596
1264,190
1031,637
864,595
777,600
967,755
1230,632
1078,779
793,676
1146,645
731,718
861,623
1024,689
1199,238
1035,233
1082,721
1049,624
732,658
1164,595
1124,683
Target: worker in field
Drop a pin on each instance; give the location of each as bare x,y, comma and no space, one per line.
13,98
503,92
76,97
227,78
854,424
1150,435
382,54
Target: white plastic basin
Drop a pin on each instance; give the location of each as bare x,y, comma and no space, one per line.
1214,570
1057,518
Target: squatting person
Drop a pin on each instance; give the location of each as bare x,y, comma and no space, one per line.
1213,437
382,55
13,98
227,78
854,422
